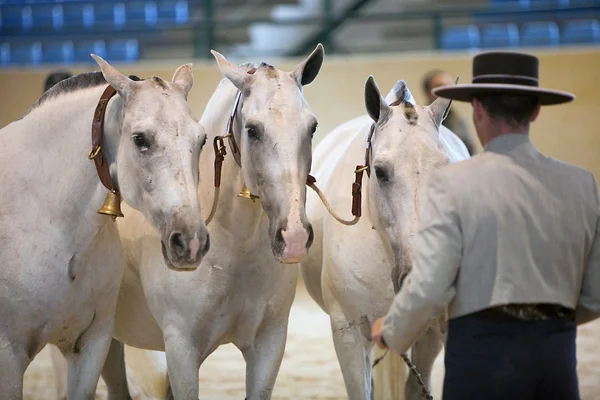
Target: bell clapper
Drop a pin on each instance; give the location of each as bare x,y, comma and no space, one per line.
245,193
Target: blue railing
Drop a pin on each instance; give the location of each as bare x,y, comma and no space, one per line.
42,31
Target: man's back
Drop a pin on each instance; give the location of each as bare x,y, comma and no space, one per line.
528,222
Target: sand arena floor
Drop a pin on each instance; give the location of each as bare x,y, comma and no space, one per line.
310,369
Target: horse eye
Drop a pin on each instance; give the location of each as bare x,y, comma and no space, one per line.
252,133
381,174
140,141
203,142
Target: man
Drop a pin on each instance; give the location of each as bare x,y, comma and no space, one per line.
510,243
453,121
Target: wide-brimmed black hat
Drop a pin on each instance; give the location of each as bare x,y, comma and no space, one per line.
504,72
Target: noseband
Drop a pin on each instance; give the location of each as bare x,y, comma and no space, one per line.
221,152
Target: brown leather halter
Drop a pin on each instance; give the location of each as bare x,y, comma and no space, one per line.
97,153
220,152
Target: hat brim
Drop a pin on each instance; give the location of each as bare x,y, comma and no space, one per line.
466,92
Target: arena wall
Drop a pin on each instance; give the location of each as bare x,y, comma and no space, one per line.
569,132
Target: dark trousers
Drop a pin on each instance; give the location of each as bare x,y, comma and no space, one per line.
488,359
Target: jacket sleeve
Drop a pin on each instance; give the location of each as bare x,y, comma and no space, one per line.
430,286
588,307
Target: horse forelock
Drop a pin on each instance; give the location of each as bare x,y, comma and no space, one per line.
158,81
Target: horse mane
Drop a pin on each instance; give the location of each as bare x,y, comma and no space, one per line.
73,84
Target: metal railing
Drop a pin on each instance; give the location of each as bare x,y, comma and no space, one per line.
206,27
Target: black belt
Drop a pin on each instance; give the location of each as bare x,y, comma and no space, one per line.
527,312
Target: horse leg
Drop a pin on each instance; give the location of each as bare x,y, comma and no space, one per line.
263,360
14,362
87,358
183,364
114,372
353,353
423,354
59,365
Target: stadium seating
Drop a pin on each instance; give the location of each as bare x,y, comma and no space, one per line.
460,38
499,35
543,33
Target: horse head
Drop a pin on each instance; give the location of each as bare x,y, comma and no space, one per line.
404,151
159,143
274,127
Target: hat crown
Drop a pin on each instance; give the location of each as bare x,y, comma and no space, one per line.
506,67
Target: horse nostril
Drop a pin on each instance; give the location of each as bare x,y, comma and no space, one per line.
279,235
311,236
177,244
207,244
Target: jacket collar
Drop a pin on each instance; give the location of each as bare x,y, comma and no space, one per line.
508,143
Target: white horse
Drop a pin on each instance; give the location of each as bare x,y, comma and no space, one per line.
61,261
353,272
243,290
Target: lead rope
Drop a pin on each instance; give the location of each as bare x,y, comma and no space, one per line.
328,206
220,153
213,210
413,369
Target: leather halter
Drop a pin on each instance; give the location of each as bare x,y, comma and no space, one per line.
220,152
97,154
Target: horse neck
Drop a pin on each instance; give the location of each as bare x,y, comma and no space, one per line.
235,214
58,133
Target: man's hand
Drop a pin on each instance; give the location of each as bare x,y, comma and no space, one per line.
376,333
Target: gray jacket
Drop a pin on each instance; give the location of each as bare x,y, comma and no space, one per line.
509,225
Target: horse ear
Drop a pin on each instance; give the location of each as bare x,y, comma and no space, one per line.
440,108
238,76
400,93
184,78
374,102
122,84
308,70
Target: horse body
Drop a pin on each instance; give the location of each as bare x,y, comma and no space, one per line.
59,279
60,261
243,290
351,270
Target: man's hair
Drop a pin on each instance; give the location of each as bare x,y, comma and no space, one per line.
426,82
514,110
54,77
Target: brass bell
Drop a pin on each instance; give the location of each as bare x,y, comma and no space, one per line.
112,205
245,193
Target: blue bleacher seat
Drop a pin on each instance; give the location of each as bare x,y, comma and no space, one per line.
27,18
460,38
79,15
29,53
105,15
581,32
499,36
4,54
123,50
119,15
542,33
59,52
171,11
142,12
46,17
84,48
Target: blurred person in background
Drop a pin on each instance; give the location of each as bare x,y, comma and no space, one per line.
509,246
453,121
54,77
